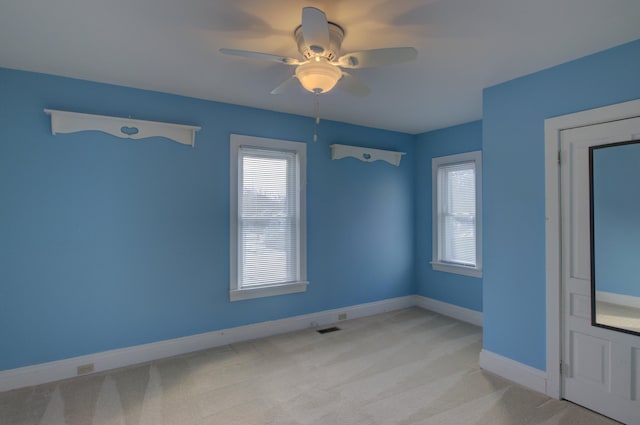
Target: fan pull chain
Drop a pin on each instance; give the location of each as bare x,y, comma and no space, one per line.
316,112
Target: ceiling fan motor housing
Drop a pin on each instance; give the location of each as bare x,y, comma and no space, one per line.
336,35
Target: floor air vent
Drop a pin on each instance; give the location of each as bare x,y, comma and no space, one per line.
327,330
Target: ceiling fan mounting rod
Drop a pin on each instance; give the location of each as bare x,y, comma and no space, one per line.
336,35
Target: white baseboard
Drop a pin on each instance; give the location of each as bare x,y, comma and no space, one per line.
106,360
613,298
451,310
527,376
112,359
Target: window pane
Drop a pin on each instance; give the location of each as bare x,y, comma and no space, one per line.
460,243
459,211
268,252
265,186
461,189
268,218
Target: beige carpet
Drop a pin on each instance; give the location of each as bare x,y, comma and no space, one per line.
618,316
405,367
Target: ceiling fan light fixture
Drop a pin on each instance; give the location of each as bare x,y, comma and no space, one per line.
318,75
319,42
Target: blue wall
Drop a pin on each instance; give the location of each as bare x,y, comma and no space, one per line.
451,288
514,188
616,218
109,243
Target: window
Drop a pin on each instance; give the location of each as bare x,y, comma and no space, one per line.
457,221
268,217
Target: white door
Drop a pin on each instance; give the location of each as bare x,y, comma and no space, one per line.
600,367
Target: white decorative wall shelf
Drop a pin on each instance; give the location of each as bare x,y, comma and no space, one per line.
366,154
126,128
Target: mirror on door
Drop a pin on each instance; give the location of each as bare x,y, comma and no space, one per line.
614,174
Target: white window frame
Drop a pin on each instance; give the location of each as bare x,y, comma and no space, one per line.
237,293
436,165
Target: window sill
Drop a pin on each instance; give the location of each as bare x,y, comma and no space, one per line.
267,291
453,268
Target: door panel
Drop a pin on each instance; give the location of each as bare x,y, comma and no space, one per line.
580,241
580,306
601,366
590,360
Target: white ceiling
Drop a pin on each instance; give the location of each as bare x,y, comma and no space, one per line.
172,46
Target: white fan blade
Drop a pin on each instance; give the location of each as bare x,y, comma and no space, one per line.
315,30
260,56
378,57
352,85
284,86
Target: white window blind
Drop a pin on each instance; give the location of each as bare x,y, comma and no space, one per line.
458,213
268,217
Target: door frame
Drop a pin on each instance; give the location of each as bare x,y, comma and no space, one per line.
553,236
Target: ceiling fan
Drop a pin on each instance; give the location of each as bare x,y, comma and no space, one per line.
319,43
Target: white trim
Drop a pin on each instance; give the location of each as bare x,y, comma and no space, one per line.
553,127
527,376
620,299
236,142
106,360
451,310
267,291
456,268
125,128
366,154
436,193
